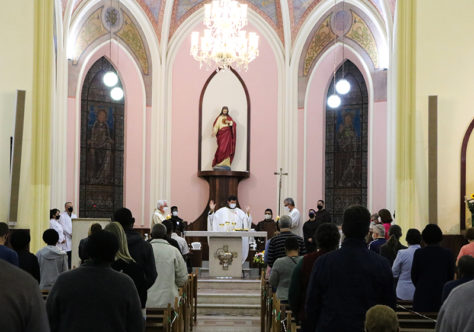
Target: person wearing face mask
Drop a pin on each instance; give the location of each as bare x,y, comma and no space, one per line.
180,224
322,215
294,214
309,229
54,215
159,215
65,219
266,225
228,218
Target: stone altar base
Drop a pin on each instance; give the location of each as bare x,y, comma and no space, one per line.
230,248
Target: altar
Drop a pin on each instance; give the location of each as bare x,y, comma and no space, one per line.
225,251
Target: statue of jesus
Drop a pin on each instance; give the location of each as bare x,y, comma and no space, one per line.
224,128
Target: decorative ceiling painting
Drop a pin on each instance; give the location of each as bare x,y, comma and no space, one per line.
154,10
269,10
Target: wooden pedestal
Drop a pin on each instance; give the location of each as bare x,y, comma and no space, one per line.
222,184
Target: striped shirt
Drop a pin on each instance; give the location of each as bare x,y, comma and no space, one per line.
276,248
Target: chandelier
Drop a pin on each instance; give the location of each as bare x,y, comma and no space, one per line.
223,43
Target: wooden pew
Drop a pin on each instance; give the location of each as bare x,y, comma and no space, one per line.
44,294
410,320
158,319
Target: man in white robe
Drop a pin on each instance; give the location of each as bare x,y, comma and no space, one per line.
159,215
295,215
65,219
228,218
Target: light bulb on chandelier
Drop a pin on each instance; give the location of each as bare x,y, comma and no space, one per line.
343,86
334,101
224,43
110,79
116,93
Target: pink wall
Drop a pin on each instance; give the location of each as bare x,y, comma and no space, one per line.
188,191
316,133
134,113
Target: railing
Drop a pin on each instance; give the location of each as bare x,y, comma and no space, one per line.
274,316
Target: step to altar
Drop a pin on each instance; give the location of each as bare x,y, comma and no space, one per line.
207,323
229,297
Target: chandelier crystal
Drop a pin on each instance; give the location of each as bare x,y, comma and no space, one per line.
224,43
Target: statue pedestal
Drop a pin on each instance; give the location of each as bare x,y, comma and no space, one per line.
222,184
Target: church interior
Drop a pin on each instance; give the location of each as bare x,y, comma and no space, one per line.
113,104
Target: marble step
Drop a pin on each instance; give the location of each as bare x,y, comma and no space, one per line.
212,323
212,297
227,284
228,309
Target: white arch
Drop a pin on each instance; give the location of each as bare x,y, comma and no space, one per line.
77,148
365,70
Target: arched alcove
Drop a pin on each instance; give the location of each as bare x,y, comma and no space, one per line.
102,145
346,153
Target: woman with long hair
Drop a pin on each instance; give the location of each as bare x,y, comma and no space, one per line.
125,263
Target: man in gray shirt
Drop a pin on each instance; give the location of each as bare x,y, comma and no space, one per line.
456,313
283,267
22,307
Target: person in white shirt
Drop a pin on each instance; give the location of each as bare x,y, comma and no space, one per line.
159,215
65,220
54,215
295,215
228,218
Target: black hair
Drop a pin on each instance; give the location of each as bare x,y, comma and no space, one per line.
170,226
269,210
327,236
413,236
320,200
385,216
20,239
124,217
470,234
291,243
173,208
51,237
432,234
102,247
466,267
52,213
232,198
356,222
96,227
3,229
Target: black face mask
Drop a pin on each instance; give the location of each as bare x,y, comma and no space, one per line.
57,217
320,207
311,215
70,209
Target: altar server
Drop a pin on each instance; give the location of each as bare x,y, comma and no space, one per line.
228,218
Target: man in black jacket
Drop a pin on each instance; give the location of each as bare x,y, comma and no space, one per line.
140,250
94,297
345,283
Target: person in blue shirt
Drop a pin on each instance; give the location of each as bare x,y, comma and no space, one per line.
378,236
6,253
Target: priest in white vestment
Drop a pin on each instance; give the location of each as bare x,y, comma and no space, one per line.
228,218
159,215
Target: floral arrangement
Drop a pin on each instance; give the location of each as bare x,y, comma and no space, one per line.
470,203
258,258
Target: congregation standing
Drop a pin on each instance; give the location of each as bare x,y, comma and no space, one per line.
334,278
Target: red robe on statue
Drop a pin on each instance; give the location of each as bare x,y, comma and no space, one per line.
226,138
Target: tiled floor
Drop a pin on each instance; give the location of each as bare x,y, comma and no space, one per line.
227,324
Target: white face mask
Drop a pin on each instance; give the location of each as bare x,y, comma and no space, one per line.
175,213
287,209
232,205
268,217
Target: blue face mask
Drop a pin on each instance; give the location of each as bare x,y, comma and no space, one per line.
232,205
311,215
